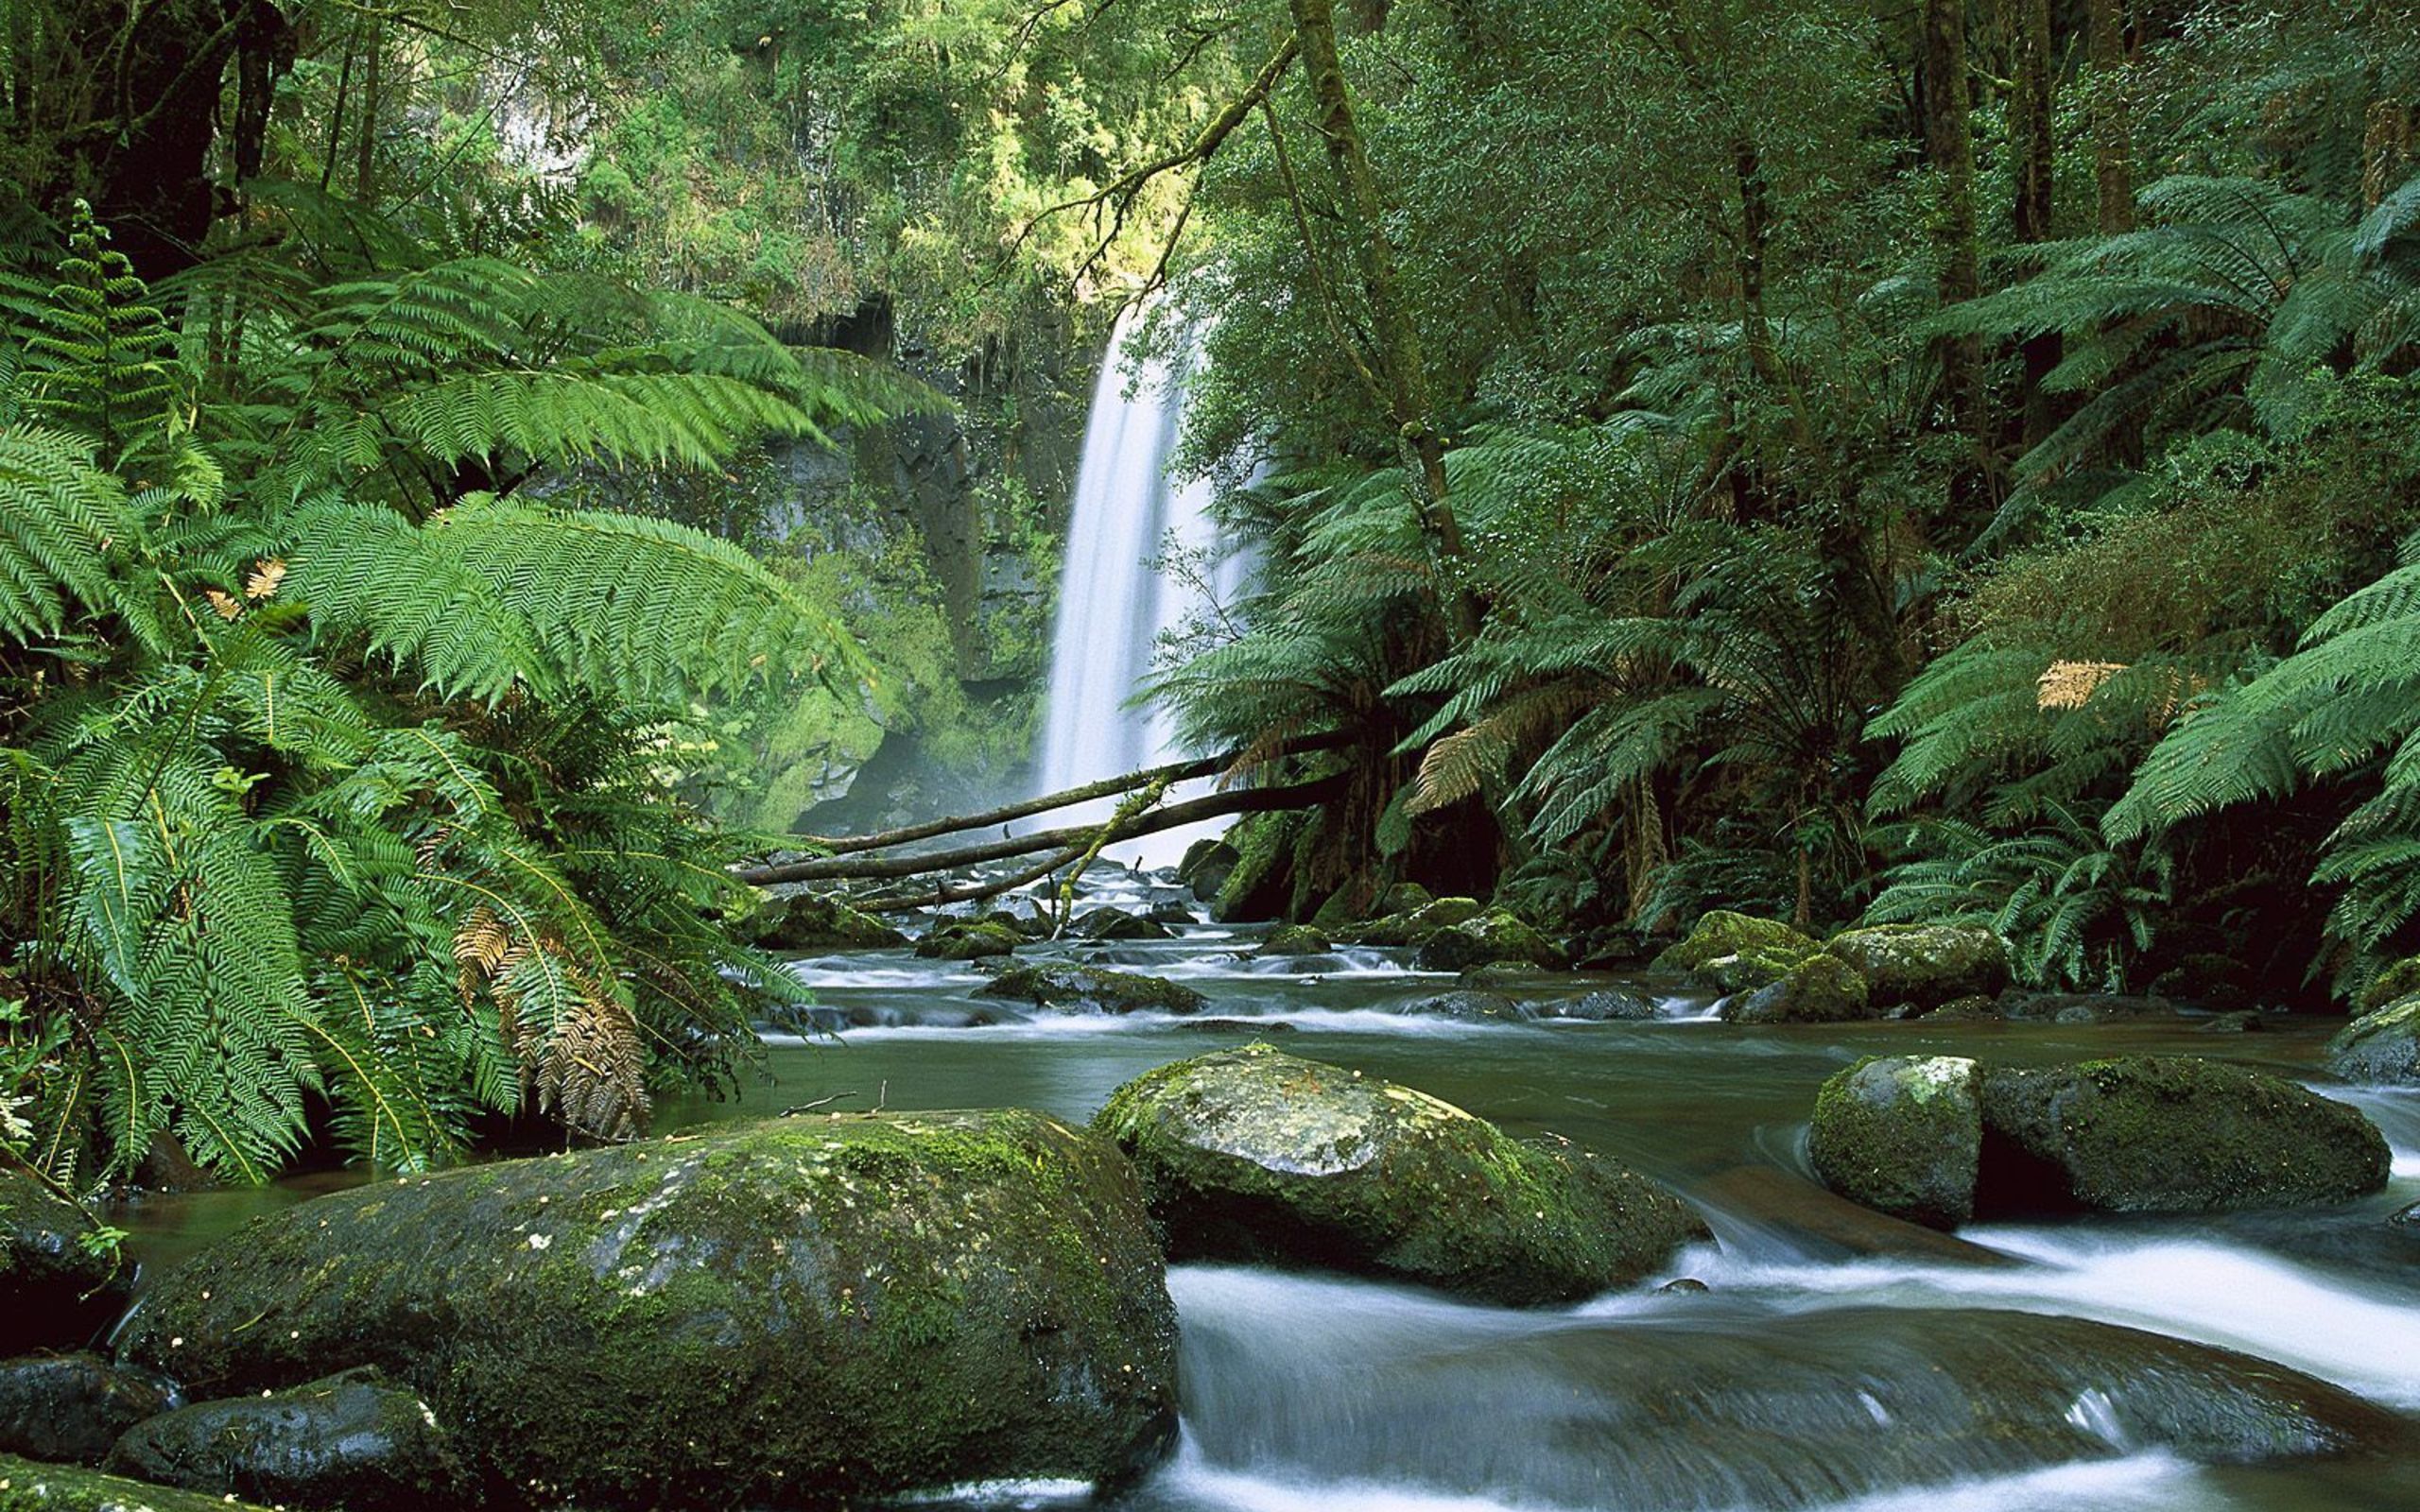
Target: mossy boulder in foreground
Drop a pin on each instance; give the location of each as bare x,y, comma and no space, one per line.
806,1311
351,1441
2381,1047
1925,965
1903,1136
1092,989
1255,1154
2167,1134
59,1284
29,1486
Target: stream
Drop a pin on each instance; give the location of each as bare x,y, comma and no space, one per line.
1835,1361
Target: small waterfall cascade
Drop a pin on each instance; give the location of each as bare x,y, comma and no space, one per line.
1114,600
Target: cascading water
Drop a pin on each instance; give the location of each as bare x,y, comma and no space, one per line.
1116,598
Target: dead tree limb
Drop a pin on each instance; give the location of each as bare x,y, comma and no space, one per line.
1215,805
943,895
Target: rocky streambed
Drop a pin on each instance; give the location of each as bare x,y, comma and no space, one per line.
1304,1224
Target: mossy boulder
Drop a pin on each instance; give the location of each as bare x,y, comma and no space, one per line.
26,1485
1207,866
2381,1047
1093,989
2391,986
980,939
1116,925
1925,965
1722,932
1902,1135
60,1280
805,1310
1412,927
2166,1134
1403,898
1467,1007
1295,939
70,1408
351,1441
1605,1005
1261,884
811,923
1492,937
1819,989
1255,1154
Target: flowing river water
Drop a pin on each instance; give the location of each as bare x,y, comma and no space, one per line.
1833,1360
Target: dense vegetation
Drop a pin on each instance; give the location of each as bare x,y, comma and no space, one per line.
1954,461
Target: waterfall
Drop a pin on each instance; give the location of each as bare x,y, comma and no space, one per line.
1112,604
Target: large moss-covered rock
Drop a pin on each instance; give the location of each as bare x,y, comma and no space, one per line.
29,1486
1261,883
1415,924
1722,932
1255,1154
61,1282
70,1408
1295,939
977,939
810,1310
1925,965
351,1441
1116,924
1493,935
1093,989
1818,989
2167,1134
2397,982
1903,1136
2381,1047
809,923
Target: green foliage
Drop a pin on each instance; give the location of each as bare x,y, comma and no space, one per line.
331,775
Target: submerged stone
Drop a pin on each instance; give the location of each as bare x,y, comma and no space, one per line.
1903,1136
1818,989
806,1311
61,1280
349,1441
29,1486
70,1408
1925,965
2382,1047
1093,989
1255,1154
2167,1134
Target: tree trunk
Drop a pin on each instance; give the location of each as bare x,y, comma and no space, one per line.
2029,113
1949,151
2112,144
1403,364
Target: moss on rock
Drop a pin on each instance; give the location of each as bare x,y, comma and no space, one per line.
810,924
1116,924
70,1408
2167,1134
60,1284
351,1441
1818,989
970,941
2391,986
1903,1136
806,1311
1722,932
1295,939
1255,1154
1415,925
2381,1047
1092,989
1925,965
26,1485
1491,937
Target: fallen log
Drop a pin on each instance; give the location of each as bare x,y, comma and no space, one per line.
943,895
1215,805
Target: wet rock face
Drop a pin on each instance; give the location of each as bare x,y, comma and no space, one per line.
806,1311
1257,1155
1903,1136
2381,1047
29,1486
59,1286
1818,989
1469,1007
1608,1006
1925,966
2167,1134
1492,937
1295,939
349,1441
1116,924
1093,989
810,924
959,940
70,1408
